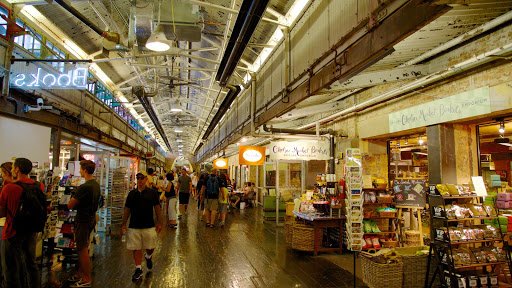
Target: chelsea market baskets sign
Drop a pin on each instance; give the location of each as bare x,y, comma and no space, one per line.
299,150
464,105
37,77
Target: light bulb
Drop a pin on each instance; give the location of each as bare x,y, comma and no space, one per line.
502,128
421,141
157,41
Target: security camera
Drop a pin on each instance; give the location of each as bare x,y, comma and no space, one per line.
40,106
40,102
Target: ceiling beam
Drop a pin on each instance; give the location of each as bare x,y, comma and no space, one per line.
372,47
233,11
369,79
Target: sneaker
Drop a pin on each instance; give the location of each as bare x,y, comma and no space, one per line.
149,263
81,284
137,275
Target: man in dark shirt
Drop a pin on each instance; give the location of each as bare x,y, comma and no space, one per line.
85,202
142,231
184,187
18,251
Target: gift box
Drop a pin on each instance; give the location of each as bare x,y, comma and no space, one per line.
500,204
505,196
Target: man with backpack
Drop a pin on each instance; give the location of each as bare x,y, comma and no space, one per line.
24,204
211,193
85,202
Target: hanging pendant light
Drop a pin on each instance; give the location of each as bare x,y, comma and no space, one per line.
157,41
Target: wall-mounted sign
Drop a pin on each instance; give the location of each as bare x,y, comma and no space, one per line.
220,163
34,77
251,155
464,105
300,150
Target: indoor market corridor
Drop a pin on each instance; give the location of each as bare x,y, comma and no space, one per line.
245,253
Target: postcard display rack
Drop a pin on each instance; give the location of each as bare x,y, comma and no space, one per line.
468,251
117,176
354,201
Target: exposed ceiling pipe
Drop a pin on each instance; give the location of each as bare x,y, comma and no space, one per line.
152,115
111,36
452,43
250,14
271,129
429,79
224,107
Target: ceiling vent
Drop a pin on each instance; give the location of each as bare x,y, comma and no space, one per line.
181,21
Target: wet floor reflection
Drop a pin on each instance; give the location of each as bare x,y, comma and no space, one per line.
245,253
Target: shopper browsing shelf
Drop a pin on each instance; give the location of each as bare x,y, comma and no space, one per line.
19,237
184,188
85,202
142,230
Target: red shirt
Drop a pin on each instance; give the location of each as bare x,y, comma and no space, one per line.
10,200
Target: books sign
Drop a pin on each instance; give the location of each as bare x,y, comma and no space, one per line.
464,105
33,77
300,150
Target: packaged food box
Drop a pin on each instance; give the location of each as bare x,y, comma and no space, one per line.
505,196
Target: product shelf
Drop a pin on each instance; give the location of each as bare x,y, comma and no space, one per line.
464,219
476,265
468,241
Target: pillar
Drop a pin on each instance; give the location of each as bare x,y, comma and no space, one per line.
442,160
56,137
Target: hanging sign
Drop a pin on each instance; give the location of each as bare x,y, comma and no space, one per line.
35,77
251,155
300,150
221,163
464,105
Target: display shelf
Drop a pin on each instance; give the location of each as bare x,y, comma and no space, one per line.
468,241
380,233
464,219
476,265
378,217
445,250
379,204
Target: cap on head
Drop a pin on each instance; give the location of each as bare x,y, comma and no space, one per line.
141,173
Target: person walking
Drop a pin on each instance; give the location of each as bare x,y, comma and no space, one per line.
200,194
142,231
19,249
211,192
223,199
184,188
170,195
85,202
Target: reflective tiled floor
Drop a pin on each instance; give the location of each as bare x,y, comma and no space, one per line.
247,252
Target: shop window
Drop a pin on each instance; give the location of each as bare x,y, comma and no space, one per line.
3,23
408,158
495,159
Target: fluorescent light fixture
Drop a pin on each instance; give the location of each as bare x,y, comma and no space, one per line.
176,110
243,140
178,130
157,41
179,140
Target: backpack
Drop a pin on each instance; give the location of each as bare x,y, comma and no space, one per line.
212,187
31,214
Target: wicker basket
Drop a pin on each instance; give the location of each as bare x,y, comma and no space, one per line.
385,199
390,244
377,275
414,266
303,238
288,232
387,214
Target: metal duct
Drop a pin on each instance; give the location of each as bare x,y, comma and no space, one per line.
248,18
224,106
296,131
152,115
111,36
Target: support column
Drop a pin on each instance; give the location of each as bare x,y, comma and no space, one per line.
56,136
442,167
